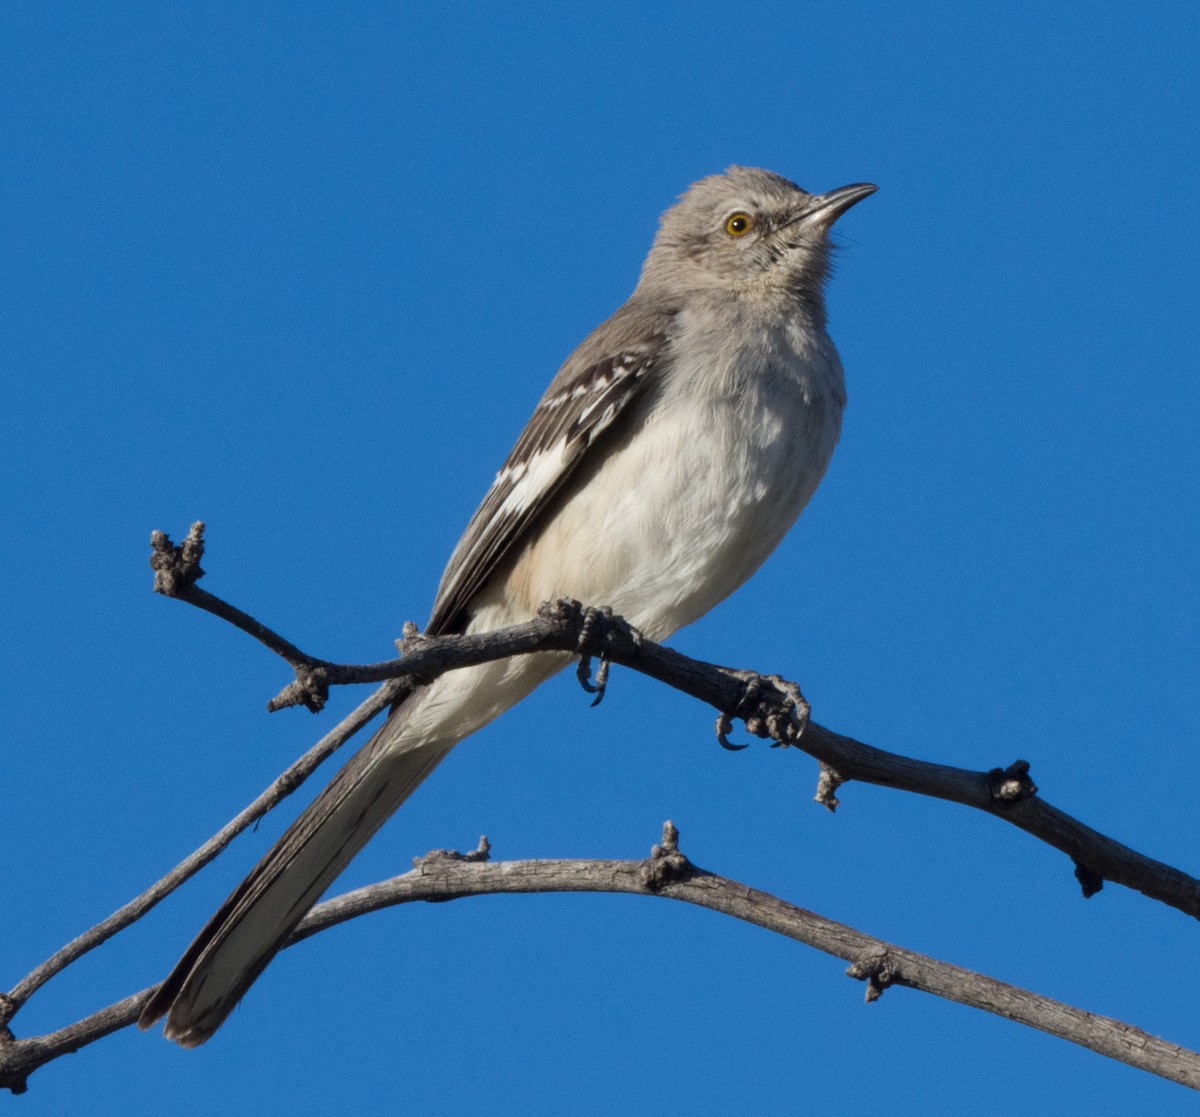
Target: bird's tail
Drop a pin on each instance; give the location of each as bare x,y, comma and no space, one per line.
252,925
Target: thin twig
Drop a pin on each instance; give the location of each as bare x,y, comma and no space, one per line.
443,876
771,708
446,879
279,789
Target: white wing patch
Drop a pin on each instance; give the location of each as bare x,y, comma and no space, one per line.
528,481
560,431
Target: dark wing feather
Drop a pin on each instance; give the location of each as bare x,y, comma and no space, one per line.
583,401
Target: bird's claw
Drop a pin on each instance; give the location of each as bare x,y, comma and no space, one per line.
597,630
765,715
583,672
724,728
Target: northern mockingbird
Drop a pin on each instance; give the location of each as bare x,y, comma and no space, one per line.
671,453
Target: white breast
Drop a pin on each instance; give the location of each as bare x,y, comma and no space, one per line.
729,455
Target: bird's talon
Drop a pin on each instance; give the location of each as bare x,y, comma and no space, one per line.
781,720
601,684
583,672
595,632
724,727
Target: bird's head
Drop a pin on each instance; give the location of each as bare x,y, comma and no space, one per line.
747,229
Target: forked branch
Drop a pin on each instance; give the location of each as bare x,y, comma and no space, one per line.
444,875
769,707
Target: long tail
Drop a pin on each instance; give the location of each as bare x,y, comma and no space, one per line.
254,922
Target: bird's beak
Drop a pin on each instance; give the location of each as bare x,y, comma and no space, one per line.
824,209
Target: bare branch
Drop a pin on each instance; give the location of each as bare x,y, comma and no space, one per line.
279,789
769,706
1098,857
873,960
773,708
443,875
19,1058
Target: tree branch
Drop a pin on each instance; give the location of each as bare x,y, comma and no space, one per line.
769,706
281,787
444,875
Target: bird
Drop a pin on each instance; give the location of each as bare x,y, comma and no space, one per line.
668,457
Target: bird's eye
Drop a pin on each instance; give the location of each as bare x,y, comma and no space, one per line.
738,224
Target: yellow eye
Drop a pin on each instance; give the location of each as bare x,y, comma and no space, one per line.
738,224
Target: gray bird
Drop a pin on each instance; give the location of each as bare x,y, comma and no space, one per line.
667,459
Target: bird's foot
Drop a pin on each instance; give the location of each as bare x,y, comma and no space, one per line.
770,706
600,630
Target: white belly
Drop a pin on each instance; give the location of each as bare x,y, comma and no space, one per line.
670,523
684,513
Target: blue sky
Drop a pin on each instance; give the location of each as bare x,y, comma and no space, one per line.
302,271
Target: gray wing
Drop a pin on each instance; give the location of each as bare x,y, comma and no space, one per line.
597,383
609,371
